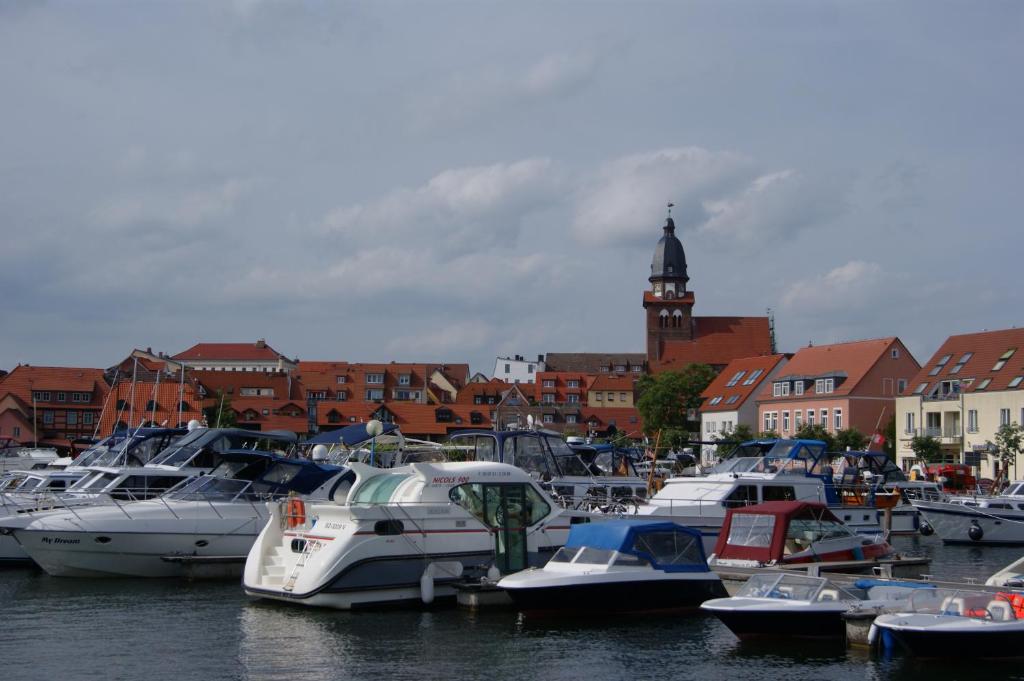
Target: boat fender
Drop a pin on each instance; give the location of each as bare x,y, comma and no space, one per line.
493,573
427,585
926,529
975,532
872,635
296,512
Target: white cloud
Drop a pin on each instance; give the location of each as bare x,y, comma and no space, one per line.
465,208
853,285
722,196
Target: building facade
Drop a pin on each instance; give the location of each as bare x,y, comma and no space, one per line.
517,369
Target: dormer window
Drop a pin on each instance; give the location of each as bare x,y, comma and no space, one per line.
1003,359
404,379
798,387
823,386
443,415
376,379
780,389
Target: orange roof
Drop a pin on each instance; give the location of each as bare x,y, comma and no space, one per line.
611,382
625,419
737,373
469,392
718,341
231,382
846,362
986,348
270,414
24,379
129,407
229,352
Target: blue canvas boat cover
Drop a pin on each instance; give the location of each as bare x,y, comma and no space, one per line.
668,546
349,435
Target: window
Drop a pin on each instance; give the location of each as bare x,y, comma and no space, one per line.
87,418
47,416
998,365
837,419
709,427
921,387
636,368
548,398
798,387
341,395
572,399
778,493
961,362
404,379
732,399
895,354
1004,417
407,394
599,396
743,495
780,389
824,418
901,386
549,418
570,418
735,379
529,368
620,367
909,425
62,397
622,397
715,400
16,431
773,421
753,376
573,383
785,422
342,379
972,420
507,369
443,415
1015,382
548,383
72,418
40,396
810,417
375,378
824,385
611,397
374,394
798,419
984,383
945,358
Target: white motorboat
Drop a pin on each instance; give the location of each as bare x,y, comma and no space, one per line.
872,479
962,519
212,516
16,457
787,605
955,623
619,566
355,444
757,472
607,484
405,534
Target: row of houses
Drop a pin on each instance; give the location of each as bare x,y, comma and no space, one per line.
254,386
970,387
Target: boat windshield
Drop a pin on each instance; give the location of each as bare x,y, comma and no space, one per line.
208,488
29,484
786,586
1000,606
96,483
570,465
751,529
812,530
378,489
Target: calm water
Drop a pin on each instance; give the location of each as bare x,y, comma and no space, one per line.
133,629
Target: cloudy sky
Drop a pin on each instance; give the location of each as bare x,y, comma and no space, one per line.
427,181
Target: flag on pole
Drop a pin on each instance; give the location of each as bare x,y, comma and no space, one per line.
877,440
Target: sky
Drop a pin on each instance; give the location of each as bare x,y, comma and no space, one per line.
454,181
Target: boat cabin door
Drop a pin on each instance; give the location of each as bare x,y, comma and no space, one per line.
507,506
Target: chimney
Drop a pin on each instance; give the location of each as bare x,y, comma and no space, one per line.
540,357
261,343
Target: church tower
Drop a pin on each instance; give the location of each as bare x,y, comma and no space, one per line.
668,304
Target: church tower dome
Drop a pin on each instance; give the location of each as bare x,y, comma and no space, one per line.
668,266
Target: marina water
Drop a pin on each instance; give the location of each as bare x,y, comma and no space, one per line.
56,628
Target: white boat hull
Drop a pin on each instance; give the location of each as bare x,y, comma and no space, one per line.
956,523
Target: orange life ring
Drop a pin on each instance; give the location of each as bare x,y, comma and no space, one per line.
296,513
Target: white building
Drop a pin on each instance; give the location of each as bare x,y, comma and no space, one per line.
517,369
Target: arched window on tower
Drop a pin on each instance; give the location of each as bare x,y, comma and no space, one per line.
677,319
663,319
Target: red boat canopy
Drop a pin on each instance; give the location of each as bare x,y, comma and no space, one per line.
758,532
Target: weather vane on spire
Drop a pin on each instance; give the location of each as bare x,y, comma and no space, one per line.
670,204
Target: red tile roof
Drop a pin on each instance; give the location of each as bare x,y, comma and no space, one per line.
119,408
620,382
625,419
231,382
24,379
987,348
495,387
850,361
733,397
281,414
718,341
229,352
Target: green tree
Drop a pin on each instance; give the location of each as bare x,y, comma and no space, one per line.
732,438
1008,446
665,398
220,414
817,431
852,438
926,448
889,446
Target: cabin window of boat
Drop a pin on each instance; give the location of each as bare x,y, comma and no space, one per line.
29,484
531,456
143,486
378,489
100,481
282,473
670,548
565,554
488,503
208,488
592,556
485,449
629,560
806,530
778,493
571,464
749,529
742,495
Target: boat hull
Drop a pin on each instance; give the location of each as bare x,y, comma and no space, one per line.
954,523
977,639
780,622
620,597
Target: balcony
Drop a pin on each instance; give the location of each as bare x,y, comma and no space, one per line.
946,436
